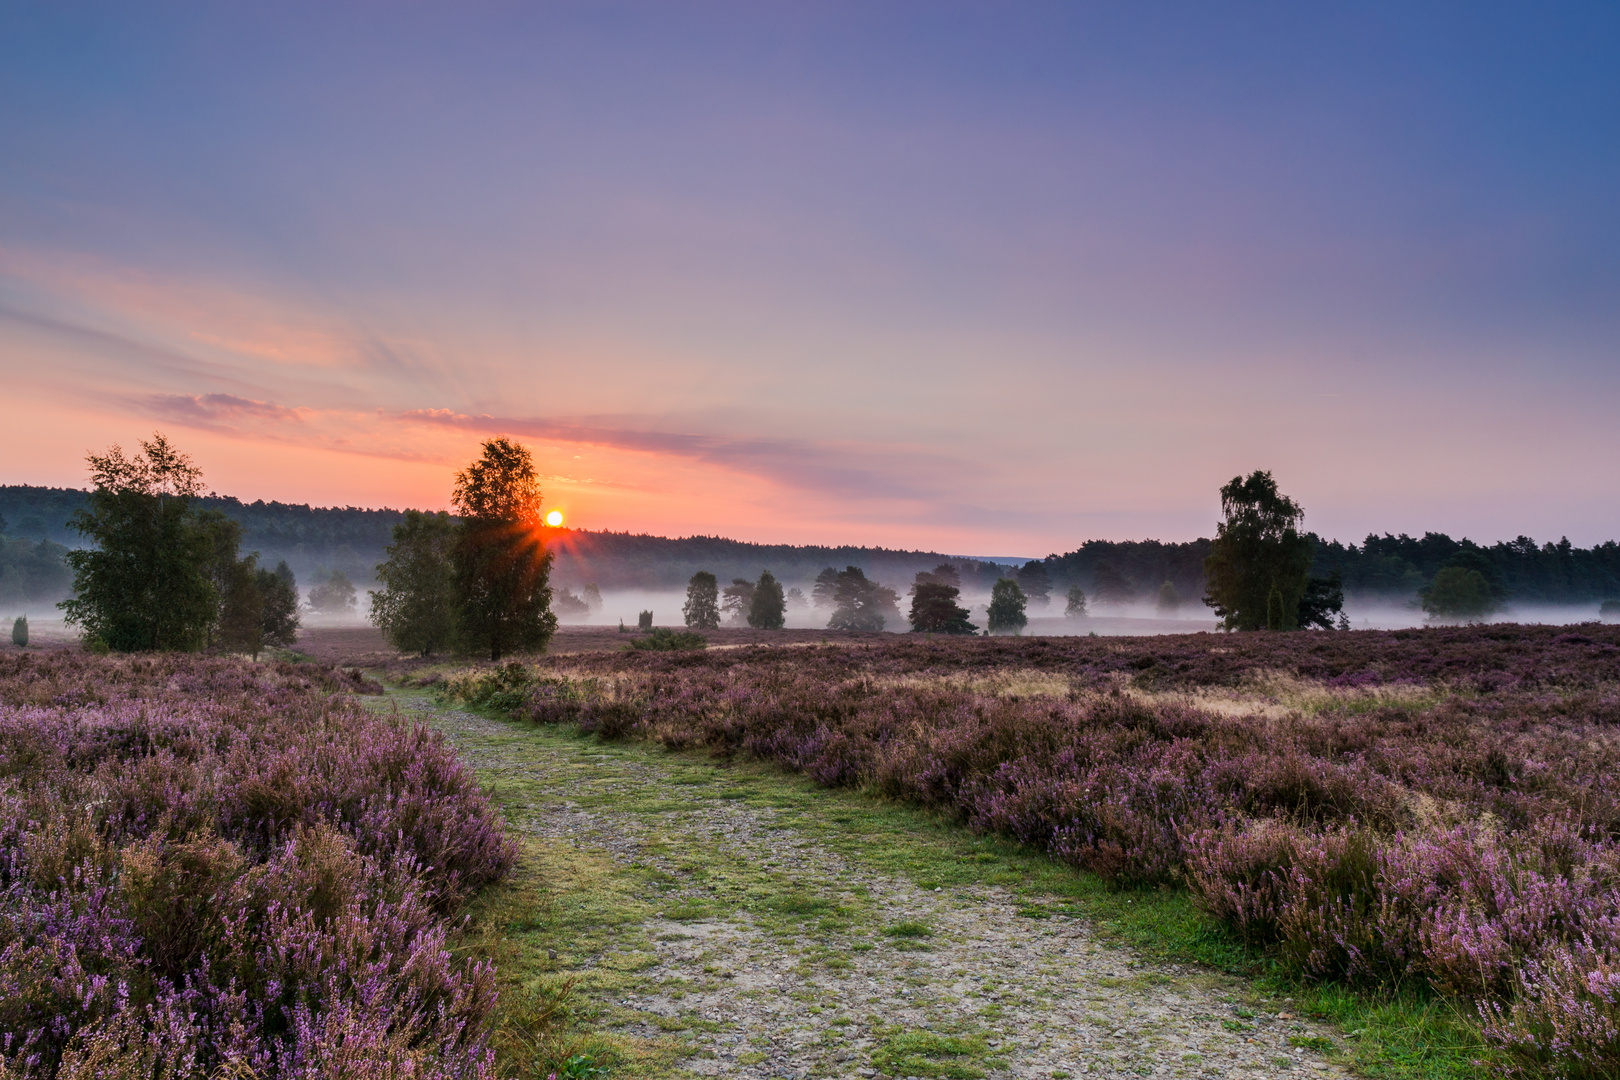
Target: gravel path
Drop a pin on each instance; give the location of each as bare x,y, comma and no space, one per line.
982,990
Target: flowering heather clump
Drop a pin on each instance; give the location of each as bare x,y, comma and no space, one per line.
1435,807
209,868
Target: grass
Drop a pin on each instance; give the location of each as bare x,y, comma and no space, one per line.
570,923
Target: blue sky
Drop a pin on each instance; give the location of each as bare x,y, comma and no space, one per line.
974,277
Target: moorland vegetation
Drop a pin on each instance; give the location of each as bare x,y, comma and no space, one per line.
1428,812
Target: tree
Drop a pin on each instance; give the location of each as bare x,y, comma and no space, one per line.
568,607
500,567
1458,592
644,621
1076,608
934,609
1322,600
1258,564
702,608
1113,587
241,611
1007,603
144,584
1169,598
334,596
796,599
416,609
822,592
592,597
19,632
1035,582
279,590
737,600
767,608
859,604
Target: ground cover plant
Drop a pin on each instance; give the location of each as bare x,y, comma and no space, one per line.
211,868
1429,809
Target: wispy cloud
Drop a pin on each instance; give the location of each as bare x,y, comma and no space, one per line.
218,408
847,470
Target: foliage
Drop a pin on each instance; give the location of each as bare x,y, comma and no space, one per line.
334,594
644,621
145,584
737,599
568,607
1112,587
663,639
1006,614
796,600
1322,600
1458,593
1258,564
767,607
19,632
858,604
1388,828
702,608
934,609
416,608
1076,607
241,609
1036,582
278,591
500,566
216,870
1169,598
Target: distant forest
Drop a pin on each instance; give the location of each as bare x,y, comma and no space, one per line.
316,540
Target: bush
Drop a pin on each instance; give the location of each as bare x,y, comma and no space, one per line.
19,632
664,639
210,867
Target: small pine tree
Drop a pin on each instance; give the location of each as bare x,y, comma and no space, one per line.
1274,609
1007,603
19,632
644,620
767,607
702,608
934,609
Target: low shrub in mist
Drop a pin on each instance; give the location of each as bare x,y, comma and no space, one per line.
1433,808
211,869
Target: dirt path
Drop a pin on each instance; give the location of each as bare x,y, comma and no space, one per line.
729,936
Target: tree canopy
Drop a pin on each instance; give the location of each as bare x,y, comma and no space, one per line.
1258,564
859,603
416,608
934,609
767,608
500,566
702,608
1007,601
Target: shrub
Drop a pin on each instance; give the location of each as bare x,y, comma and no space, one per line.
664,639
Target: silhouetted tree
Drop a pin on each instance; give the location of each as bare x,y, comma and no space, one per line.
767,608
241,614
144,582
1007,600
1323,599
499,564
1035,582
416,608
934,609
644,621
592,597
1076,608
19,632
796,599
1258,563
702,609
736,601
859,604
334,596
1458,593
1113,587
279,590
822,594
1169,598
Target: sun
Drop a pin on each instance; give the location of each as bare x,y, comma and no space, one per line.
554,518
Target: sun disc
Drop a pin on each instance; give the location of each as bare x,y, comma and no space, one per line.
554,518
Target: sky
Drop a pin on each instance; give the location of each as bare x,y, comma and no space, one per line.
981,278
